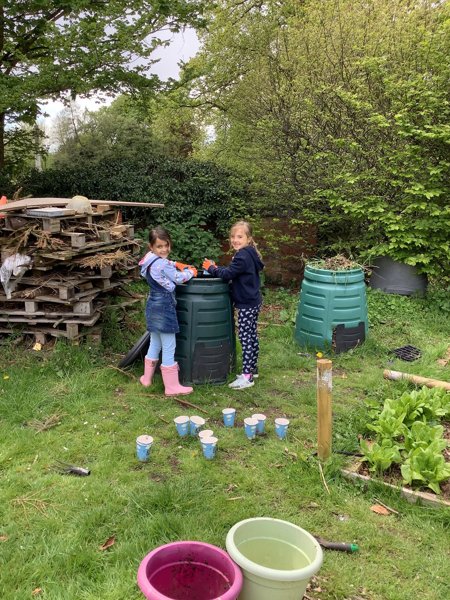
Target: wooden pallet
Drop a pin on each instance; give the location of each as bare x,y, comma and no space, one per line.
54,224
67,327
88,248
43,308
42,334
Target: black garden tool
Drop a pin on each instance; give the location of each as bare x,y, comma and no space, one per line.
68,469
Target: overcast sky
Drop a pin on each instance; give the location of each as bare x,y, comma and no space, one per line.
183,46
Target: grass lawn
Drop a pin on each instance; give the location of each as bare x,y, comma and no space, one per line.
68,403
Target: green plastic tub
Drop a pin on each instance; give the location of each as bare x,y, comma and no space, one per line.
277,558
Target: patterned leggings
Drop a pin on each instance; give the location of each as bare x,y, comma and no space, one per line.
248,336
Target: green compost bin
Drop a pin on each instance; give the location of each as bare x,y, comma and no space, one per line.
332,311
206,343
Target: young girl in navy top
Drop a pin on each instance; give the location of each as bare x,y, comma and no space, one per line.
243,273
162,323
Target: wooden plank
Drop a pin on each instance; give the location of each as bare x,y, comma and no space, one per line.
41,332
83,308
51,225
44,202
106,272
31,306
77,240
90,247
51,211
72,330
40,337
38,319
66,292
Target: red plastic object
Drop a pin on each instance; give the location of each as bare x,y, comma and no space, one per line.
3,200
188,571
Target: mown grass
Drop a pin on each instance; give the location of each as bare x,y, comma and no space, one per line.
52,525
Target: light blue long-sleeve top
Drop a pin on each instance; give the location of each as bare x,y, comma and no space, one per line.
163,271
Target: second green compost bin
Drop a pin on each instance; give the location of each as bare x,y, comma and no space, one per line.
333,307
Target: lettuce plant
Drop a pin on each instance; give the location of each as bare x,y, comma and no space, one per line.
422,435
380,456
426,466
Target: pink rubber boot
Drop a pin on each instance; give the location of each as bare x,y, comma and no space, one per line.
171,382
149,370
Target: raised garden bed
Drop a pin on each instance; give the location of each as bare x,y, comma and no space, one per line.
358,471
408,446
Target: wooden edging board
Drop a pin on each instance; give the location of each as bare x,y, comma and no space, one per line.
43,202
410,495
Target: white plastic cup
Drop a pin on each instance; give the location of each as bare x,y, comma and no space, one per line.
209,446
204,433
195,423
281,426
182,425
261,422
143,447
250,426
229,416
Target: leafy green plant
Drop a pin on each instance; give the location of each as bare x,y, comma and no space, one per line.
192,242
426,404
422,435
380,456
288,315
404,433
389,424
426,466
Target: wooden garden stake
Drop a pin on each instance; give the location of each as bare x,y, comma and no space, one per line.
324,387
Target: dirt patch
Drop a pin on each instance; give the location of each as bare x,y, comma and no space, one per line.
158,477
174,463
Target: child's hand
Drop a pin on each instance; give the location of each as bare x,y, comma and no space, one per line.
193,270
208,263
181,266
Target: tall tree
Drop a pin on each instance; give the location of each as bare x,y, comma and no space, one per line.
339,110
51,48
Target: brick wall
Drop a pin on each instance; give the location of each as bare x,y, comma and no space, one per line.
283,265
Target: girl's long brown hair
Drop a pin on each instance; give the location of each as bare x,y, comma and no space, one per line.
249,232
159,233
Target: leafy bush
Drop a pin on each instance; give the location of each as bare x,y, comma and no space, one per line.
191,242
195,193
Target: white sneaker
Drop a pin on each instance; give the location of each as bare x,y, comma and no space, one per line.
236,382
241,383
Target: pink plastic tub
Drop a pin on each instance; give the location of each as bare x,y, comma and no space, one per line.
189,571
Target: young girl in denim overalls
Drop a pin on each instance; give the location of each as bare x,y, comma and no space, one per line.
160,313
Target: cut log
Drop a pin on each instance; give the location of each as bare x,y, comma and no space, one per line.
396,375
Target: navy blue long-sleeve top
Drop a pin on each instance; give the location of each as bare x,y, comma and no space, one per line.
243,275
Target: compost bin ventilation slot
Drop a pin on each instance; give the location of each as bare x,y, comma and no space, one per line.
346,338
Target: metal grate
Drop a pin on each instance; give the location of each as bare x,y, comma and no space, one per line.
408,353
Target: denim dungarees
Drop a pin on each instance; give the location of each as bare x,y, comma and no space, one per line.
160,312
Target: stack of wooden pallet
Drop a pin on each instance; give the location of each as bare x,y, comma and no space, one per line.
76,260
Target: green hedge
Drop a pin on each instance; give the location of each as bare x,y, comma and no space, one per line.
201,199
